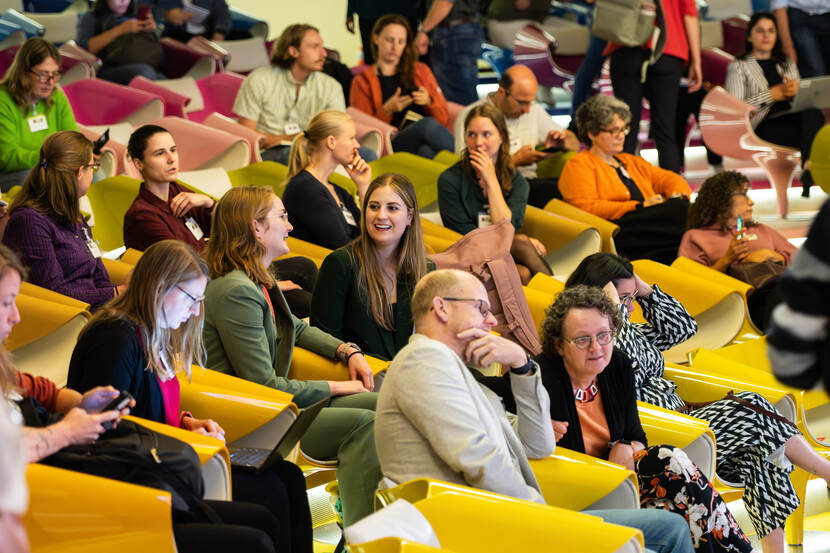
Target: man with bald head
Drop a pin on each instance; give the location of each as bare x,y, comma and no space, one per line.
528,124
434,420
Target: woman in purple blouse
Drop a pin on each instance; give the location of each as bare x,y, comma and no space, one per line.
46,227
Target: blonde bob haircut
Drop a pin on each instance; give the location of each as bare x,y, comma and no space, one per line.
233,245
8,262
161,268
411,257
51,188
323,125
18,78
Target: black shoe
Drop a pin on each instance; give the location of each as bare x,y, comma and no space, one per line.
806,183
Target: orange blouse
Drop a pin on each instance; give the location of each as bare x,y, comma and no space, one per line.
595,432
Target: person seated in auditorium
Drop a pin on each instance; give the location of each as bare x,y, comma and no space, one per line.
529,126
76,419
764,77
127,45
180,21
434,420
398,87
321,212
363,290
280,100
714,239
32,106
593,410
46,227
485,188
754,449
251,337
647,202
167,210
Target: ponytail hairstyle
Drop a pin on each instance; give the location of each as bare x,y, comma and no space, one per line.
51,188
405,70
160,269
324,124
504,162
8,262
411,257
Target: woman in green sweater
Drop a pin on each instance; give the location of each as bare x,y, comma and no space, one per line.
32,107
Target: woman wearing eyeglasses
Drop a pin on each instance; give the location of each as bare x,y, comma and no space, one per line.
593,410
752,449
647,202
46,227
32,106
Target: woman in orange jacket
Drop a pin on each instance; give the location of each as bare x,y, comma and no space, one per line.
400,90
647,202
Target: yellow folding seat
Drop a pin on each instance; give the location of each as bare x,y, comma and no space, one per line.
265,173
446,157
73,512
299,247
422,172
110,199
394,545
306,365
606,229
567,241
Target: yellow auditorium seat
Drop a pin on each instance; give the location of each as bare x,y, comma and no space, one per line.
306,365
690,434
607,229
71,512
446,157
567,241
820,159
394,545
538,301
265,173
117,270
131,256
437,237
110,198
495,522
422,172
306,249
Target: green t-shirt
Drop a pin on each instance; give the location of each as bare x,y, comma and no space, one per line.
19,144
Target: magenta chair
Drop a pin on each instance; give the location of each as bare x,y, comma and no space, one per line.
99,102
365,123
734,33
195,99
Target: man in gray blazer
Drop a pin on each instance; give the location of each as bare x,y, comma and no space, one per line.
433,419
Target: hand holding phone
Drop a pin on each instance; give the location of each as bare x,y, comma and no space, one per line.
143,12
739,227
120,402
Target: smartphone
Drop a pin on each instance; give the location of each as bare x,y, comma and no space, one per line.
552,149
740,228
100,142
143,12
116,405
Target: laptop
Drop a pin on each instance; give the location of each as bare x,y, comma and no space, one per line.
256,459
812,93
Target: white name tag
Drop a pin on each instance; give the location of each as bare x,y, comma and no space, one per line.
292,128
750,237
37,123
194,228
93,248
348,216
515,144
484,219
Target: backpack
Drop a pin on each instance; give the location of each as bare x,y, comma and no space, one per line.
632,23
485,252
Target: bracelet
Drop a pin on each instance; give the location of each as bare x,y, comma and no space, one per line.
343,348
524,369
355,352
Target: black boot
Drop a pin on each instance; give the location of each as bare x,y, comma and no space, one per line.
806,183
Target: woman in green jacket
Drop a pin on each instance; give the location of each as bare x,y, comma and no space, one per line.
249,336
363,289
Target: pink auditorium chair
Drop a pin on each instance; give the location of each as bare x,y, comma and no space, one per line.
726,130
99,102
192,98
535,48
72,67
255,139
366,124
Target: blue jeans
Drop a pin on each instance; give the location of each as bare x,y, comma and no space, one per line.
425,138
123,74
454,58
588,72
663,532
280,154
811,38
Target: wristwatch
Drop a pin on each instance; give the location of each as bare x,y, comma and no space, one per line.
524,369
612,444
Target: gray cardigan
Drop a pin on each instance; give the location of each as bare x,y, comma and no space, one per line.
434,420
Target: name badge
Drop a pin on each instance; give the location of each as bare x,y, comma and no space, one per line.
93,248
515,145
37,123
750,237
292,128
194,228
348,216
484,219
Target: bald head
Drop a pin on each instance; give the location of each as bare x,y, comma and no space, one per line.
517,89
446,282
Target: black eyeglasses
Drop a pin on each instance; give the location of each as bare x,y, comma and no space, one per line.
482,305
193,299
46,76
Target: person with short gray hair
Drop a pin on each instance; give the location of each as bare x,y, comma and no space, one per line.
598,114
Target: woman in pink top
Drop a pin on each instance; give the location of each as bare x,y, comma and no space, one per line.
715,240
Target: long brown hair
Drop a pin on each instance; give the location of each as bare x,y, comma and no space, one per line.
324,124
8,262
233,245
18,78
405,70
51,188
161,268
504,162
411,262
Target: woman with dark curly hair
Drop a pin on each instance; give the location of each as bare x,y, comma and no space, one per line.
721,232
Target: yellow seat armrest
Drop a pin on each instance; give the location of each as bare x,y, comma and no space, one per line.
29,289
42,317
552,230
205,446
117,270
392,545
607,229
131,256
538,302
691,267
434,229
306,365
307,249
546,283
265,173
694,386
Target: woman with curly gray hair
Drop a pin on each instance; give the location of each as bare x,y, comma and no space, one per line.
593,410
647,202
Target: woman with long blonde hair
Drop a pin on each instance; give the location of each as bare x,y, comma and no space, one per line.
322,212
363,289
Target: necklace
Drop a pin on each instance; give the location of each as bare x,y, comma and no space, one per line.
586,395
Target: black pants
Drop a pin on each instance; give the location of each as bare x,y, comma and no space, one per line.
244,527
661,89
542,191
281,489
303,272
796,130
653,232
689,104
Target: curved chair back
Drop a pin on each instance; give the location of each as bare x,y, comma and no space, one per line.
422,172
365,123
820,158
246,54
98,102
110,199
533,47
255,139
734,32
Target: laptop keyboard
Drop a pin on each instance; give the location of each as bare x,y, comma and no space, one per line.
249,456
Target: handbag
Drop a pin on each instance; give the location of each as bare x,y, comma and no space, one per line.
761,275
485,252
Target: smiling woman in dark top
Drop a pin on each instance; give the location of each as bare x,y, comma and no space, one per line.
321,212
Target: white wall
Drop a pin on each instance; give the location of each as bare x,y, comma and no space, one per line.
327,15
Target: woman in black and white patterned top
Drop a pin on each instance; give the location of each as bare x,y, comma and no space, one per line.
752,449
